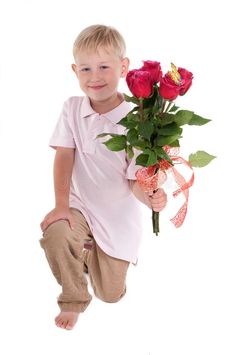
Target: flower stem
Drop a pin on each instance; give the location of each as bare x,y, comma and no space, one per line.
167,108
155,222
141,108
155,215
162,108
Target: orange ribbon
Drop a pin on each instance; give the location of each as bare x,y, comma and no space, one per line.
152,177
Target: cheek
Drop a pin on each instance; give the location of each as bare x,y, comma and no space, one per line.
82,79
114,77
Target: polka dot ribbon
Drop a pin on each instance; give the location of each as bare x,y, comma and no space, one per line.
152,177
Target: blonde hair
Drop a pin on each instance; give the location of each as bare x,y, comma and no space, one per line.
94,37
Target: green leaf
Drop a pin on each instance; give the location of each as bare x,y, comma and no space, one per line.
142,159
137,147
129,151
116,143
198,120
166,140
132,99
124,122
175,144
200,159
173,108
167,118
183,117
161,153
130,121
133,116
141,144
170,129
146,129
152,159
132,136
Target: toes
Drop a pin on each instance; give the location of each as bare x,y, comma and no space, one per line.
69,326
63,325
66,321
57,319
59,323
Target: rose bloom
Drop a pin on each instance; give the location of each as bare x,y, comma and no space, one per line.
169,90
154,68
139,83
175,83
187,78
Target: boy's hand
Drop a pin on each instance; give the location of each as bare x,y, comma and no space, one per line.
55,215
158,200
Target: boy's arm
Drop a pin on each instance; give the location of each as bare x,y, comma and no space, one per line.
63,166
62,171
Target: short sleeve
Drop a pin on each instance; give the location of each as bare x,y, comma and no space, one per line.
62,135
131,165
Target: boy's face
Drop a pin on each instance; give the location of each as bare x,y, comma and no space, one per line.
99,74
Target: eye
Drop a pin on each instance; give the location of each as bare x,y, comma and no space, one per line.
85,69
104,67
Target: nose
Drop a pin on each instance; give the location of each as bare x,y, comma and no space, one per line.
95,76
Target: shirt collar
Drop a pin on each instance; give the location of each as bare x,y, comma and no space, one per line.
114,115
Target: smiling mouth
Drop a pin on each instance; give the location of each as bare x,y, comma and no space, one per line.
97,87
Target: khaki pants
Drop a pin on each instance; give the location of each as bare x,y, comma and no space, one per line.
66,255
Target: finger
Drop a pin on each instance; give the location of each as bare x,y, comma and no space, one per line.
159,199
159,206
149,193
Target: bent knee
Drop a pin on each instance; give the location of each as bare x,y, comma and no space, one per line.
55,233
112,295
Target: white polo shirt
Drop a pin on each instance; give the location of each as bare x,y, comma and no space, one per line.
99,186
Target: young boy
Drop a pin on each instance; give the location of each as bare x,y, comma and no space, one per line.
96,223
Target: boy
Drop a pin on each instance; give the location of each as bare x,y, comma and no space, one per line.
96,223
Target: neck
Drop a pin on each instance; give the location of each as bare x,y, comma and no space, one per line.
106,105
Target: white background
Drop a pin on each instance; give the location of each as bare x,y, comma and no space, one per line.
181,296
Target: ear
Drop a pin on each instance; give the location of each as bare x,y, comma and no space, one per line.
74,68
124,67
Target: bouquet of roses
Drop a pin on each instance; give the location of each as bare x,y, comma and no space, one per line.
154,126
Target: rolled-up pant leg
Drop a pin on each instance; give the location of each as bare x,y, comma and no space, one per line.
64,251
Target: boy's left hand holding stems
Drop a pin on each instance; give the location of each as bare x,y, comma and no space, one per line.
154,200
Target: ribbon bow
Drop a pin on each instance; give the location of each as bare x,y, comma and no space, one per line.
152,177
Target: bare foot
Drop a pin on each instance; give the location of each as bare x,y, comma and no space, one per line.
66,319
